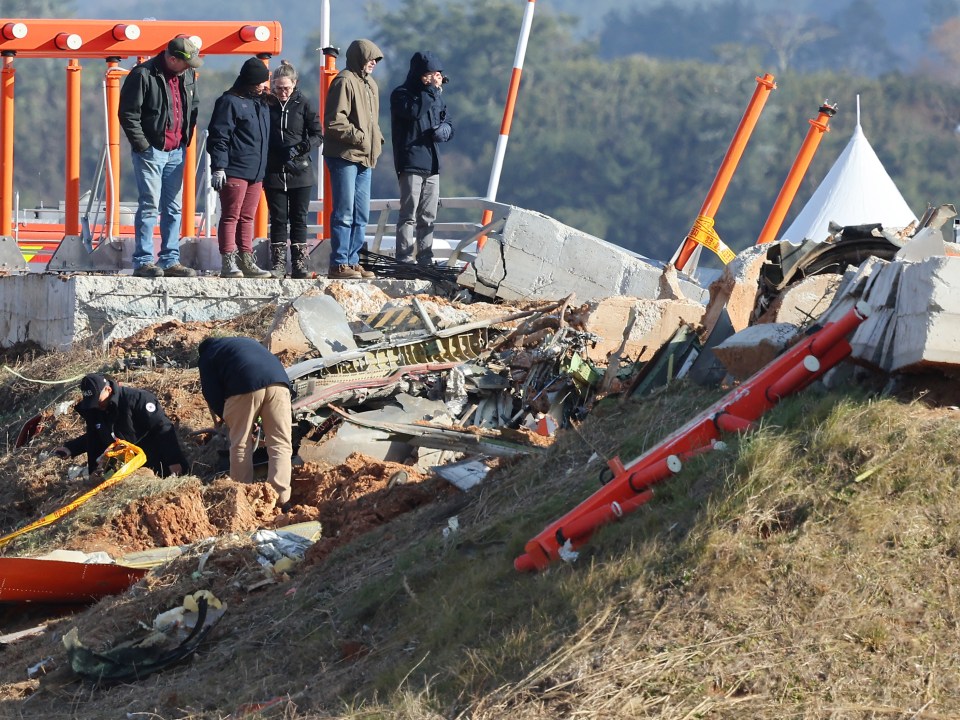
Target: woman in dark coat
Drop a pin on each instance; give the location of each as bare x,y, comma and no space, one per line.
291,173
239,132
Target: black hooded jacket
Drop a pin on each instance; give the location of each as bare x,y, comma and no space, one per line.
135,416
418,119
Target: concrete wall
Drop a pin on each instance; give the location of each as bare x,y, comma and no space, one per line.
54,311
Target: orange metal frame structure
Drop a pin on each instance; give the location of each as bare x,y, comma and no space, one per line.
111,41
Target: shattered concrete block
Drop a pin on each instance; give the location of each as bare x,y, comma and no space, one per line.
871,340
928,315
803,302
751,349
670,284
536,256
358,299
852,289
655,323
736,290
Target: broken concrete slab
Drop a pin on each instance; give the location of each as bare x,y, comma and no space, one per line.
804,301
735,293
928,315
539,257
56,310
753,348
654,323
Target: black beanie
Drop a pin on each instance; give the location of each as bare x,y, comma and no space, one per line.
253,72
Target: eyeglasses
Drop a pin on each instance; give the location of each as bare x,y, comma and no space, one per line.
182,54
283,88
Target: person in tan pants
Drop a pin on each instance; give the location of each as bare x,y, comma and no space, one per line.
242,382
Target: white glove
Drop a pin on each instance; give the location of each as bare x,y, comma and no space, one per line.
218,178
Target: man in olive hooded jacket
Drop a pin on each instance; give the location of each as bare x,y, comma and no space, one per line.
352,143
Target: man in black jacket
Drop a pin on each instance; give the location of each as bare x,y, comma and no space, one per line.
158,113
242,382
418,116
111,412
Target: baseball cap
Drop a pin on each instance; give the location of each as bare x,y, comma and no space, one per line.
184,49
91,386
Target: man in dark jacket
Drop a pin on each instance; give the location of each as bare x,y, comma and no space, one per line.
158,113
111,412
419,121
242,381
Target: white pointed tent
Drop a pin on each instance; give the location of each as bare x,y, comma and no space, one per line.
856,191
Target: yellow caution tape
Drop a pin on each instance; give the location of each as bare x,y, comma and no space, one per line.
703,233
118,461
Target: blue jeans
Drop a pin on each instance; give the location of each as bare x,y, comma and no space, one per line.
159,175
350,188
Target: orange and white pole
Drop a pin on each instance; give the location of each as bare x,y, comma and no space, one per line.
328,71
71,216
7,80
512,91
809,147
702,232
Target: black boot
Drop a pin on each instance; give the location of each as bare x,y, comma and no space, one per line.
278,259
298,259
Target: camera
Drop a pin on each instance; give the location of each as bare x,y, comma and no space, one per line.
445,79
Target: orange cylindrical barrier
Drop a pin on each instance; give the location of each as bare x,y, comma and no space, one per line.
327,74
807,150
545,547
71,215
795,377
730,161
577,532
583,526
731,423
113,143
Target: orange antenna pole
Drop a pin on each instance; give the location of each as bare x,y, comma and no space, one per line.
809,147
71,217
702,231
112,84
7,79
508,109
327,74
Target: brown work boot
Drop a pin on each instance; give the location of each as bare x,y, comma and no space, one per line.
364,273
179,270
343,272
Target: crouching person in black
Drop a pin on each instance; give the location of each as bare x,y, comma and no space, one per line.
111,412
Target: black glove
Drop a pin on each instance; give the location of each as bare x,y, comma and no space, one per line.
302,147
298,163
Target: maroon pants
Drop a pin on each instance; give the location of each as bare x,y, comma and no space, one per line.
238,208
